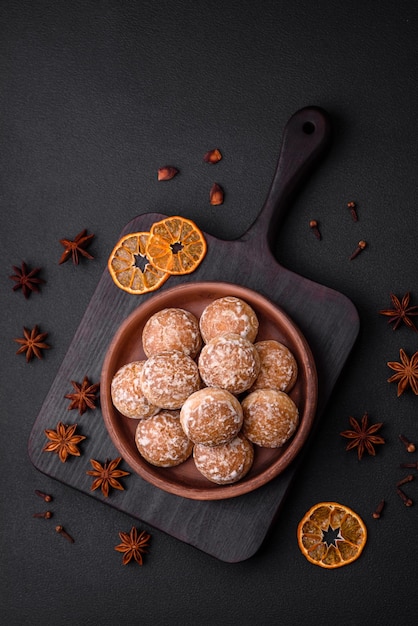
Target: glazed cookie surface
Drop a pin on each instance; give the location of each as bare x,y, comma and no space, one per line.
270,417
230,362
126,392
168,379
278,366
211,416
161,440
228,315
227,463
172,329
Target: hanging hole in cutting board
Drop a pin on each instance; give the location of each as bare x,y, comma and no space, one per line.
308,128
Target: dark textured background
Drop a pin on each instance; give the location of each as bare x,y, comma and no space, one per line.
94,97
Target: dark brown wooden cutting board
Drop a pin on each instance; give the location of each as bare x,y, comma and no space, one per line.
233,529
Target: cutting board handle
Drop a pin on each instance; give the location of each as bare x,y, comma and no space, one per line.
305,139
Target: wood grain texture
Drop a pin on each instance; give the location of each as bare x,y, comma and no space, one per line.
233,529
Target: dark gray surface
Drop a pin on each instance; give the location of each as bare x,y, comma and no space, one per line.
95,97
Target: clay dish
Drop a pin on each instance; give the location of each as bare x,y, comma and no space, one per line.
184,480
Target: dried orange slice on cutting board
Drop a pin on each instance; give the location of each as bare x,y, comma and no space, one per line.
331,535
130,268
175,245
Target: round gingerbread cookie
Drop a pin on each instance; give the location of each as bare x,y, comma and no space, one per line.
226,463
230,362
161,440
211,416
168,378
278,366
270,417
228,315
126,392
172,329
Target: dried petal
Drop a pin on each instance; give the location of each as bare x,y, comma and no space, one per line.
216,195
212,156
167,172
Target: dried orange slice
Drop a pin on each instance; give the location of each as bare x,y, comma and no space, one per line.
130,268
176,245
326,519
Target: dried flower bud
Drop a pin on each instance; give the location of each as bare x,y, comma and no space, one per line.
353,210
167,172
313,224
216,195
212,156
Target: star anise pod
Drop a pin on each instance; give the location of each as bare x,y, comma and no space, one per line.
26,279
84,396
106,475
406,372
401,312
363,436
133,545
32,343
76,247
63,441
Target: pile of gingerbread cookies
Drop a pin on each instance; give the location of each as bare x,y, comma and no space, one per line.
208,389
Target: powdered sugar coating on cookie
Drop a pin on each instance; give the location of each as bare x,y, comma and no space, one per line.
227,463
228,315
211,416
279,369
162,441
172,329
230,362
126,392
270,417
168,379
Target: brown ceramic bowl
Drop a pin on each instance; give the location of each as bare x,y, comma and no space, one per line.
184,480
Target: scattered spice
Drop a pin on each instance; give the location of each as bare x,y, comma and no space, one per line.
216,196
406,372
84,396
63,441
405,480
26,279
353,210
60,530
73,248
405,499
378,511
410,465
45,515
363,436
167,172
401,312
360,246
44,496
32,343
410,447
212,156
313,225
133,545
106,475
